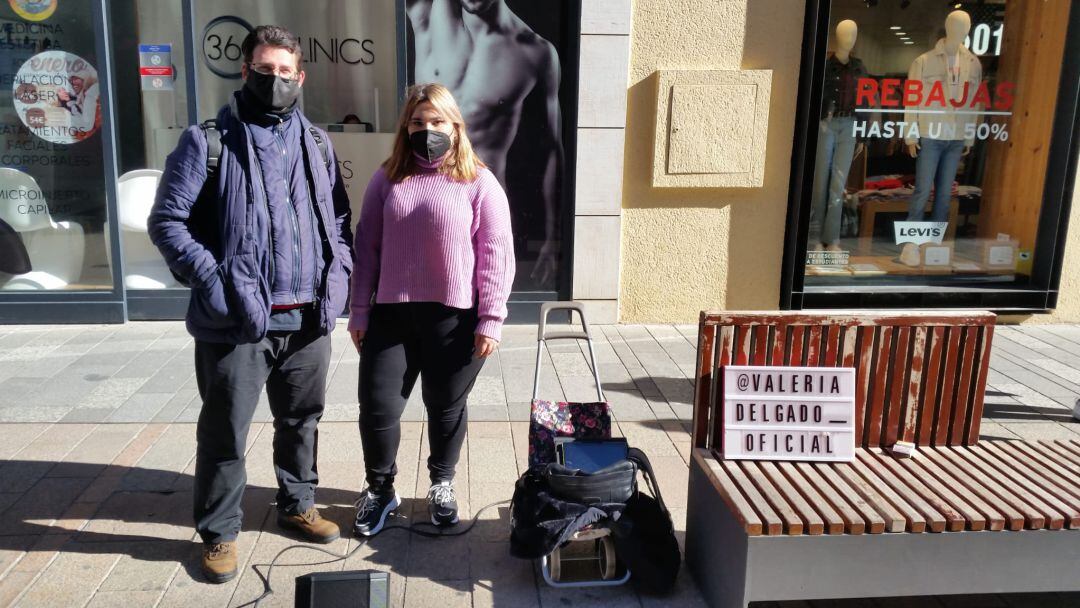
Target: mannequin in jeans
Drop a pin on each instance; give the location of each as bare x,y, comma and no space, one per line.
941,142
837,145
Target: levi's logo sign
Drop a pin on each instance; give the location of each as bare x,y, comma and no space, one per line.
920,232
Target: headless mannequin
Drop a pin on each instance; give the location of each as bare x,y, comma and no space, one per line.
837,145
847,32
942,138
957,26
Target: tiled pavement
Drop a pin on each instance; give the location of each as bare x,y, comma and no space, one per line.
98,444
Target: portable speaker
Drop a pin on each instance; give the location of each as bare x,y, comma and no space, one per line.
353,589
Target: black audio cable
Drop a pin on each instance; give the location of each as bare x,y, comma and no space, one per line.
412,529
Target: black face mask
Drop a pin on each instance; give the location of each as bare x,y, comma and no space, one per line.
430,145
274,93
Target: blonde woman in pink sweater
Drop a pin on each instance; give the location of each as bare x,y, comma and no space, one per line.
434,266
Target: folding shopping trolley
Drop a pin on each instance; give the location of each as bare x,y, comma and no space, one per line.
550,420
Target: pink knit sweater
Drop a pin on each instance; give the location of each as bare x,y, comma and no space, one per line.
432,239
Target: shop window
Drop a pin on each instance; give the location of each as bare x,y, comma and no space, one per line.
933,122
52,178
350,57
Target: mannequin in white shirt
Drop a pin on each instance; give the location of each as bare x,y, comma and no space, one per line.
957,27
944,135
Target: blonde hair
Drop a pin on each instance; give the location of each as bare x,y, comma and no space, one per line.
461,163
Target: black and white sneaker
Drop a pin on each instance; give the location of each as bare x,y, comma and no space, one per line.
442,504
371,511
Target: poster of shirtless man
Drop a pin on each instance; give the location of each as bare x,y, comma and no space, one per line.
501,60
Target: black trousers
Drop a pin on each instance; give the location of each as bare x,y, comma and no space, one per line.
293,367
403,341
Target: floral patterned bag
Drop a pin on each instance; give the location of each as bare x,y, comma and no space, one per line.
551,419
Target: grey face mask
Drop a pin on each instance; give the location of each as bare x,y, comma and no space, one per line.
430,145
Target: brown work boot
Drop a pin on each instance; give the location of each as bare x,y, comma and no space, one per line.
219,562
310,525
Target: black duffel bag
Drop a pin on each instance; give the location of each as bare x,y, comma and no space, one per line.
645,536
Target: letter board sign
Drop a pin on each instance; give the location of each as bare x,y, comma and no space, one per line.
789,413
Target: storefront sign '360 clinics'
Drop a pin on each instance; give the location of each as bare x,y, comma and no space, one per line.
789,413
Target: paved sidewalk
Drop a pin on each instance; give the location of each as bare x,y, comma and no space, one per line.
97,459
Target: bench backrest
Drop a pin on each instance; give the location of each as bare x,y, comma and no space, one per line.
919,377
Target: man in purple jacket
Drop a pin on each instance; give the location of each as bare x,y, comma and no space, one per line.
264,242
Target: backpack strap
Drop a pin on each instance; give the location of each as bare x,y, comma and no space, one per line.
323,149
638,457
213,145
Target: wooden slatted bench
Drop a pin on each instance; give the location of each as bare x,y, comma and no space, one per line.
960,517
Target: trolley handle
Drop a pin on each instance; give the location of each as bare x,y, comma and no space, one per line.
547,307
543,335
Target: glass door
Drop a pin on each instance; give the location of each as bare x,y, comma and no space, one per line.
151,66
517,86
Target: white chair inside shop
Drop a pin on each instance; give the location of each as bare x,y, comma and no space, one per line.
144,268
55,249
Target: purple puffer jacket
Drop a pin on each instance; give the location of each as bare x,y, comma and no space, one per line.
218,242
